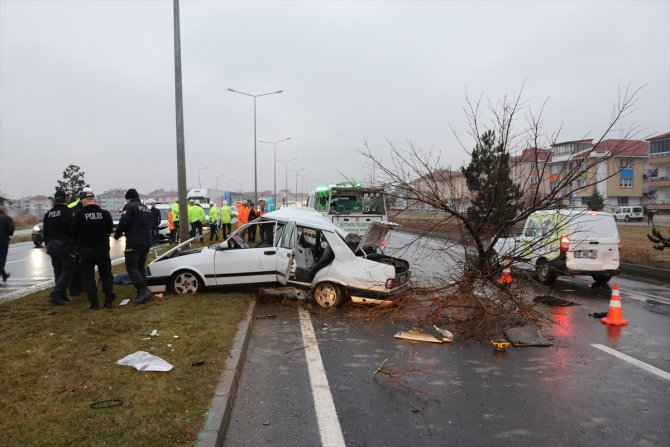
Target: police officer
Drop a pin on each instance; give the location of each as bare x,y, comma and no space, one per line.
60,246
6,231
136,221
91,229
174,236
213,221
226,217
156,213
200,218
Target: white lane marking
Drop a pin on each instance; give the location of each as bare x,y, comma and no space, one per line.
18,260
642,293
329,424
634,361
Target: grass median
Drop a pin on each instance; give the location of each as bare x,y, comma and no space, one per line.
57,361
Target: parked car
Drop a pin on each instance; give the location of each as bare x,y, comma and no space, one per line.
629,213
38,234
566,242
296,246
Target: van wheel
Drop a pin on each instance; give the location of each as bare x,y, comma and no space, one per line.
185,281
627,218
601,278
327,294
544,273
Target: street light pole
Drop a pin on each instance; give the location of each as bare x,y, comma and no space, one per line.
217,180
200,169
286,162
296,182
274,143
255,161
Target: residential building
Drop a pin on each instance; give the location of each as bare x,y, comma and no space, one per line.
530,170
615,166
33,205
658,179
442,185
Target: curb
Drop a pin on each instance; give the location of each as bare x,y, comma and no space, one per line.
221,407
635,270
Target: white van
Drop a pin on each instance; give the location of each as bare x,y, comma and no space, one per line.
629,213
566,242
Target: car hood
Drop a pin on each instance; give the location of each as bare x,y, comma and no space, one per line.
376,235
173,249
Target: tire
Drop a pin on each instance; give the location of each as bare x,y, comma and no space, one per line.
544,273
38,244
602,278
627,219
327,294
186,282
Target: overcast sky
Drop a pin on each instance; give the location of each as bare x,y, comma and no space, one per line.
91,83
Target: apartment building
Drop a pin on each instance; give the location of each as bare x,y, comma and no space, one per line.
615,166
530,170
658,187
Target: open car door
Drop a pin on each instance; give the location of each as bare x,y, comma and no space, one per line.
285,252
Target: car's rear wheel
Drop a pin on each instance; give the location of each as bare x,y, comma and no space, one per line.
186,282
601,278
327,294
37,244
544,272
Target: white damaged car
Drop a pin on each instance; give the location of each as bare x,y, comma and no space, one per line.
295,246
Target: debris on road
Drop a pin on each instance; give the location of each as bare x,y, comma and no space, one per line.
500,345
143,361
124,302
267,316
526,336
294,349
154,333
419,336
554,301
446,335
598,314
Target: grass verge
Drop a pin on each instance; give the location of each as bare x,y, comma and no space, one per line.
56,361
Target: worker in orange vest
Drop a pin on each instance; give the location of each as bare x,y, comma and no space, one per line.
242,216
172,227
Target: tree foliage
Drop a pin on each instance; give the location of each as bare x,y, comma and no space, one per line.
596,201
73,182
488,176
660,242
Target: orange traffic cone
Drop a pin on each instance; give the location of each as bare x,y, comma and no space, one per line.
506,277
614,314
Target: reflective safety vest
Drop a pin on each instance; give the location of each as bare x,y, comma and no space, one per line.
226,214
170,222
213,215
175,211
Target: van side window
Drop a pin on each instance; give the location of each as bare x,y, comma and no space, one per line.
532,228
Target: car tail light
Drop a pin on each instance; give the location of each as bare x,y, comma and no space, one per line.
565,243
618,242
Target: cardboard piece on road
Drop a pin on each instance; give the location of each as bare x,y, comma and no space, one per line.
526,336
418,336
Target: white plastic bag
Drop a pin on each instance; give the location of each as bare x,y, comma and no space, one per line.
143,361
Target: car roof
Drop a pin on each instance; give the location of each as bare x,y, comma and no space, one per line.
573,212
302,215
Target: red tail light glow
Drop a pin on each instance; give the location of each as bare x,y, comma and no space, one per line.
565,243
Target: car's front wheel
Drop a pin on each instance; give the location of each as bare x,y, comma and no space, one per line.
544,273
627,219
185,281
327,294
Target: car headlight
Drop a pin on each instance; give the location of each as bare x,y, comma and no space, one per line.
36,228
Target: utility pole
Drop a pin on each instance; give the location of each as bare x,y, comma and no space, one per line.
181,151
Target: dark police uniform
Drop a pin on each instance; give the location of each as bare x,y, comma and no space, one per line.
91,229
136,223
156,213
60,246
